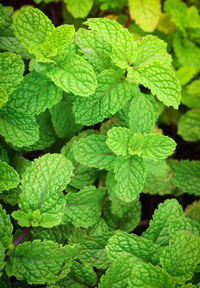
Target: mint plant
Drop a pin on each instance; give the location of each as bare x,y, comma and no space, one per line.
85,153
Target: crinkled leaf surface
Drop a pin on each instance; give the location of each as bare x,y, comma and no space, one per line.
9,177
184,223
118,139
6,228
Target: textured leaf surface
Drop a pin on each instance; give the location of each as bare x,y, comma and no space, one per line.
9,178
189,125
79,8
160,79
6,228
149,276
143,113
92,151
35,94
31,26
193,211
184,223
182,255
118,274
11,70
110,96
118,139
145,13
42,184
140,248
94,48
83,208
158,230
130,174
42,262
17,127
58,234
73,74
186,176
123,52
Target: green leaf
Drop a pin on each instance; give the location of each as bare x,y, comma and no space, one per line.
186,176
130,174
123,45
151,146
35,94
193,211
143,113
83,273
2,256
149,276
31,26
43,183
18,128
182,255
191,95
6,228
3,97
41,262
9,178
158,230
73,74
184,223
11,71
145,13
118,139
118,274
189,125
185,75
176,9
83,208
95,49
3,154
63,117
92,151
79,8
110,96
141,249
160,79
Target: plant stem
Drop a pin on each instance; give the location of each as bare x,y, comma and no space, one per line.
21,236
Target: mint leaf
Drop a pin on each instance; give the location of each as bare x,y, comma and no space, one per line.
188,126
118,139
192,211
79,8
43,183
184,223
6,228
110,96
9,178
130,175
146,14
73,74
92,151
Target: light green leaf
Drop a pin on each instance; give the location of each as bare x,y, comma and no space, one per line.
189,126
186,176
143,113
18,128
185,74
158,230
149,276
110,96
11,71
63,117
118,274
176,9
9,178
6,228
42,184
151,146
3,154
118,139
130,174
79,8
92,151
3,97
184,223
191,95
160,79
35,94
83,208
145,13
41,262
73,74
141,249
31,26
123,45
95,49
182,255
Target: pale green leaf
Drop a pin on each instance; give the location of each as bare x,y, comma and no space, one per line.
145,13
110,96
92,151
185,74
189,125
73,74
9,178
42,184
79,8
118,139
83,273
